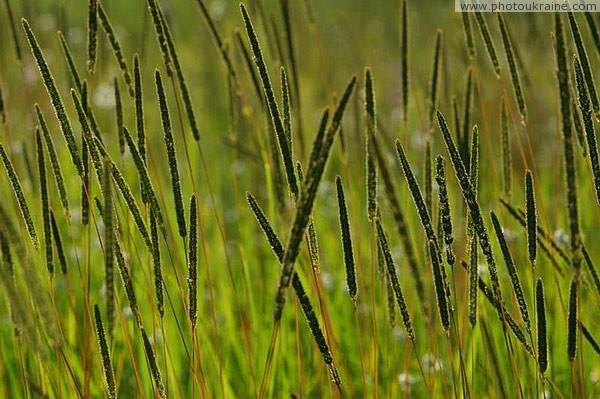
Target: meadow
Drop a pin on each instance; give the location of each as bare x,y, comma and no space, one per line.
202,199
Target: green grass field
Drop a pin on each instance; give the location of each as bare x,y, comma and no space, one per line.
427,182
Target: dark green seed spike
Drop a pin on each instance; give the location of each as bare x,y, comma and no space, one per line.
313,242
70,63
6,256
116,47
303,298
18,191
109,377
440,289
287,117
440,178
139,107
501,309
158,280
170,146
13,30
92,38
457,125
473,177
393,278
542,331
591,269
44,196
473,280
390,303
62,260
131,204
428,183
435,77
401,223
126,280
470,197
463,141
588,124
572,321
193,263
589,19
271,102
506,152
404,59
585,64
487,40
371,130
55,97
153,364
567,134
109,239
318,160
445,216
590,338
85,161
512,66
417,197
185,93
531,217
249,66
144,176
119,112
89,140
160,35
578,129
468,36
512,271
346,240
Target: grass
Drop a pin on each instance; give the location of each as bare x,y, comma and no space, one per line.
205,200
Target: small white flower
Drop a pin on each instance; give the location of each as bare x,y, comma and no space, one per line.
104,96
482,269
399,333
127,313
327,280
430,362
560,237
406,379
156,338
509,235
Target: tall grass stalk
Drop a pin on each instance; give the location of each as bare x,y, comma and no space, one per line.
346,241
45,201
567,136
271,102
588,123
512,67
18,192
55,98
